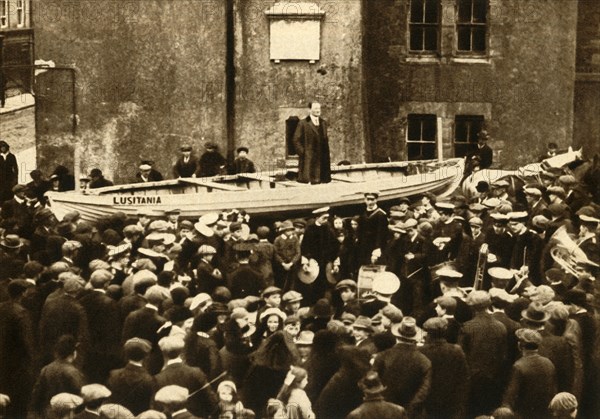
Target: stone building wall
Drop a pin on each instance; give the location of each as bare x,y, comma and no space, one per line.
523,86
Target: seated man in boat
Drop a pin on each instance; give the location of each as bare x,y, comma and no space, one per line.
242,164
312,144
147,173
211,163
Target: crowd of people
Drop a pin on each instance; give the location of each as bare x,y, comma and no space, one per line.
432,309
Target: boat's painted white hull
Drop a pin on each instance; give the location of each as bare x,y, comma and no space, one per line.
277,201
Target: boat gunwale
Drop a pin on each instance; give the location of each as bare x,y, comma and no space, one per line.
212,181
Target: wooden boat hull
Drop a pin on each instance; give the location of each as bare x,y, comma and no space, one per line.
260,195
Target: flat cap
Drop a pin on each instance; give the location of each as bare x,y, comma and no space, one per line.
347,318
393,313
346,283
363,323
518,215
200,300
435,324
539,221
270,291
563,402
491,202
100,277
292,319
138,343
588,219
567,180
172,395
93,392
144,276
500,273
533,191
478,299
500,295
292,297
305,337
19,188
529,336
476,221
171,343
448,273
206,249
556,190
65,402
151,414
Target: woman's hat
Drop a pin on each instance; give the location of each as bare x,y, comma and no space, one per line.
11,241
535,313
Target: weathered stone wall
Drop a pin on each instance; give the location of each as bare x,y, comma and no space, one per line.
523,87
268,92
150,77
586,130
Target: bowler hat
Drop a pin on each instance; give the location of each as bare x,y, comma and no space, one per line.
244,149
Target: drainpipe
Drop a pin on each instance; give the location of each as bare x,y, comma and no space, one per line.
230,78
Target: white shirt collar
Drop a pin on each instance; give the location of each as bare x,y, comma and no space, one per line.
177,360
152,306
315,120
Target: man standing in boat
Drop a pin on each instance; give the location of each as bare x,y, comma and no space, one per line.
312,144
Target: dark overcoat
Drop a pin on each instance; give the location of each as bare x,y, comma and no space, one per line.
312,145
132,387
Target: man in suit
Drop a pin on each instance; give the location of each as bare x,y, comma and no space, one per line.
186,165
147,173
94,395
176,372
9,171
404,370
16,349
132,386
312,144
173,400
242,164
450,372
483,340
483,151
374,405
98,180
144,323
533,379
105,326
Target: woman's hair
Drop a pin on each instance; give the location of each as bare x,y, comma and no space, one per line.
274,353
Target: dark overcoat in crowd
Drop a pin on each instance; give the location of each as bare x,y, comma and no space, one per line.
144,323
558,350
105,335
483,340
375,406
204,280
63,315
501,246
372,233
261,384
17,357
101,182
449,380
132,387
406,373
202,352
245,281
203,402
312,145
529,246
9,175
341,395
454,231
322,363
17,216
319,243
531,386
57,377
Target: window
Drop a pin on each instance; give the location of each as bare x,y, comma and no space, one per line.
466,131
20,12
421,136
471,26
424,25
3,13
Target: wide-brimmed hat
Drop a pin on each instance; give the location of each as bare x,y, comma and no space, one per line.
292,297
535,313
11,241
406,329
371,384
204,229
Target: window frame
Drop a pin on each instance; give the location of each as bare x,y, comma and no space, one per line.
5,14
472,25
423,26
422,117
20,17
472,136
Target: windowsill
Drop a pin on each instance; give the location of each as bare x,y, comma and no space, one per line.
425,59
471,60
